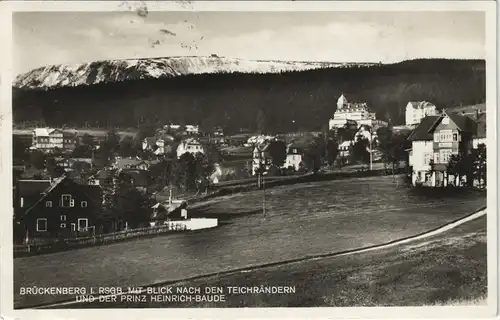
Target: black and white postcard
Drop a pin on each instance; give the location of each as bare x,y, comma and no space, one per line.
248,159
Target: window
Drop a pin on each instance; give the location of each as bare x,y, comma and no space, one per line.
48,204
427,158
445,155
436,157
455,137
436,137
66,200
63,225
83,224
445,136
63,217
22,202
41,224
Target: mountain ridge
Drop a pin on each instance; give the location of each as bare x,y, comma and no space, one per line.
289,101
102,71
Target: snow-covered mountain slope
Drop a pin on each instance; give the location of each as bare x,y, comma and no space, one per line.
121,70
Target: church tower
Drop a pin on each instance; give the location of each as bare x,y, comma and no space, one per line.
341,102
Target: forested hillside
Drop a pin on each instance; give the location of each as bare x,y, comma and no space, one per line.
301,100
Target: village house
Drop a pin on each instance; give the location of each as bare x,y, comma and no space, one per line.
348,112
160,144
261,157
436,138
190,145
417,110
107,177
68,163
130,163
48,140
64,206
345,149
218,132
164,211
365,132
294,156
192,129
152,144
172,127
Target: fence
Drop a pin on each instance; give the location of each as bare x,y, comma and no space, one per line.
78,242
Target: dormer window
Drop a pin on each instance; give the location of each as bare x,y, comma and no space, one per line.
67,201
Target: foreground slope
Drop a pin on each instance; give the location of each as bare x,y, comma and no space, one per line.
302,220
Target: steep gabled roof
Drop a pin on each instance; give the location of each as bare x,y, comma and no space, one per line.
29,188
464,123
481,126
93,192
43,132
423,130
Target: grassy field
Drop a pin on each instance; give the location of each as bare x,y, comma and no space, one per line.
447,269
301,220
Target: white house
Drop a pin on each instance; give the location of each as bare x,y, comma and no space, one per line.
345,148
261,157
190,145
365,132
436,138
259,139
192,129
48,139
417,110
293,157
172,127
347,112
157,146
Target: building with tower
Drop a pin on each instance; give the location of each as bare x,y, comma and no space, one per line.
358,112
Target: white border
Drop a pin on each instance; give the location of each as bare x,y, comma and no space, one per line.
6,306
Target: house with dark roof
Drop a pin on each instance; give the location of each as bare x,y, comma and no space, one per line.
64,206
27,193
434,140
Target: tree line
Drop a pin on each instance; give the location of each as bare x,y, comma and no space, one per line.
286,102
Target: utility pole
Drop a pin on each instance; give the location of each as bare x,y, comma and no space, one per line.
264,196
371,153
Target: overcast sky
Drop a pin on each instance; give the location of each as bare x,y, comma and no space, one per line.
45,38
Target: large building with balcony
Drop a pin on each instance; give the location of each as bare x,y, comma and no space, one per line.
417,110
435,139
48,140
359,113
